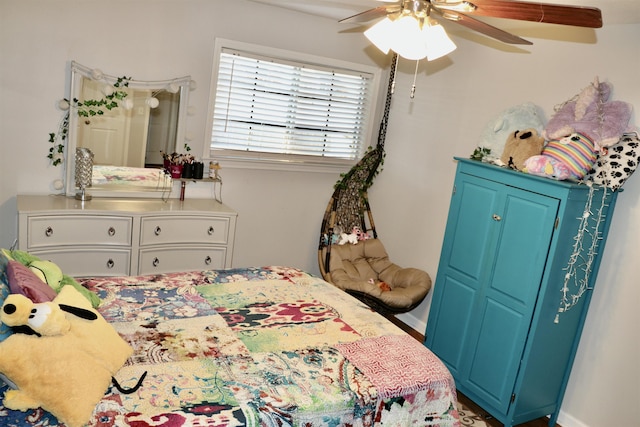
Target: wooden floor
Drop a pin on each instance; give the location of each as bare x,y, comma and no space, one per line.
540,422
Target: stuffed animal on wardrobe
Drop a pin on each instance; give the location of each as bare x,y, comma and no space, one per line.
578,130
592,115
521,145
495,133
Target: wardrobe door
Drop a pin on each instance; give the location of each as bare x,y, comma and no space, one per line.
507,298
467,250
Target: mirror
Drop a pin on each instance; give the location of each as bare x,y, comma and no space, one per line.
126,124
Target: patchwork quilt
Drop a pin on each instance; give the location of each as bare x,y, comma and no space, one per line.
269,346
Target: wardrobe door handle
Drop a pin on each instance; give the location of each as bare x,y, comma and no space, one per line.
110,263
207,260
111,231
157,231
155,262
48,232
497,217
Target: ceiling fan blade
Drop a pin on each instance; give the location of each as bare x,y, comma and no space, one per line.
579,16
481,27
368,15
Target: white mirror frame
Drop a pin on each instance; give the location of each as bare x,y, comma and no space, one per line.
80,72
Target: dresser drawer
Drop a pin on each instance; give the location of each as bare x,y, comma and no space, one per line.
183,258
78,262
193,229
66,230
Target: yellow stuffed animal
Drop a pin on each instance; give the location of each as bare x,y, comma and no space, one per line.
65,358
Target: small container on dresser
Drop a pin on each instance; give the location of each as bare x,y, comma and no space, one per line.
114,237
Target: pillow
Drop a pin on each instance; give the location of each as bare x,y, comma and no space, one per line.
577,152
65,373
27,259
23,281
5,331
5,257
616,163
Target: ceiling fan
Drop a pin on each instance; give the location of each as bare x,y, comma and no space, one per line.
462,12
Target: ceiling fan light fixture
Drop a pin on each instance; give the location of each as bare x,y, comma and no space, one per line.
409,38
381,35
437,41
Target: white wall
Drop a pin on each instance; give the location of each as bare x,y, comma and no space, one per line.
280,212
451,107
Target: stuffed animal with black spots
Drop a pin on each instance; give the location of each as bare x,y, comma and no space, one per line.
615,164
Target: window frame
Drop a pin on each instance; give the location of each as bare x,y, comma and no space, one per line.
281,161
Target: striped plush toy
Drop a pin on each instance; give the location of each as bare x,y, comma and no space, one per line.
568,158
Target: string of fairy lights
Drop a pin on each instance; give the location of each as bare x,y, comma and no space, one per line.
580,265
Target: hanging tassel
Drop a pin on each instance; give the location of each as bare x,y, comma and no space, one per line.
415,74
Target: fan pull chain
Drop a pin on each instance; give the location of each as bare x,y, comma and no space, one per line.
382,133
392,89
415,75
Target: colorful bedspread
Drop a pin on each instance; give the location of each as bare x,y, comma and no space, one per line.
260,347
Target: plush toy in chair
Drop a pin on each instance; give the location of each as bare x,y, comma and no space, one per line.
66,363
365,271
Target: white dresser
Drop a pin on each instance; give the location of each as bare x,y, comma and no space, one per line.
116,237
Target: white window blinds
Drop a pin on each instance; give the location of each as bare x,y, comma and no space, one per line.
268,105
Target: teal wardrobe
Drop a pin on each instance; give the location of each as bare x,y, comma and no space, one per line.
519,259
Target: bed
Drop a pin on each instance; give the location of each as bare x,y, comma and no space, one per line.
268,346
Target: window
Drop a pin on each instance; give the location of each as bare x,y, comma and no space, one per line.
271,107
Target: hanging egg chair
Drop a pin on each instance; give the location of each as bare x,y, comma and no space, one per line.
350,254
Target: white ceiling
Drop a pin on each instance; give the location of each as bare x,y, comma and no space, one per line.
613,11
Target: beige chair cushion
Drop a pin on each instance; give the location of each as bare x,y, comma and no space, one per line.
354,267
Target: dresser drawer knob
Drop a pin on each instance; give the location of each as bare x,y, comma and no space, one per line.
48,232
211,230
157,231
207,260
155,262
110,263
497,217
111,231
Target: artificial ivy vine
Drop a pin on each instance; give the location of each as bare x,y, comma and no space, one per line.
86,108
